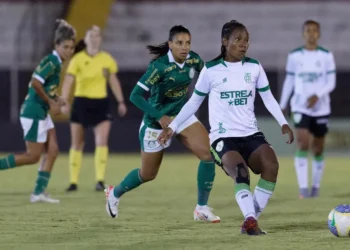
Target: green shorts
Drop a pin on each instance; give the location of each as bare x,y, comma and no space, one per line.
35,130
149,136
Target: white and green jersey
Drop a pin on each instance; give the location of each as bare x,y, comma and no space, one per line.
309,72
231,88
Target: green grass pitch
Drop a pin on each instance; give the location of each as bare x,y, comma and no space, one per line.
159,215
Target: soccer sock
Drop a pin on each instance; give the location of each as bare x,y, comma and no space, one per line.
317,171
301,167
7,162
75,157
41,182
262,194
205,178
244,199
101,155
130,182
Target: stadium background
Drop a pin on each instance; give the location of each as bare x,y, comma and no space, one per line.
275,27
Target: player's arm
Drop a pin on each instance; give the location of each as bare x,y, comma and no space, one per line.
288,84
201,90
271,104
331,78
143,86
69,78
41,74
116,88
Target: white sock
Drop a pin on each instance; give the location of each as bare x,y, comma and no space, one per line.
201,207
301,167
245,201
317,171
262,194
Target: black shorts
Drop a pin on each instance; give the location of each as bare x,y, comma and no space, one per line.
318,125
90,112
243,145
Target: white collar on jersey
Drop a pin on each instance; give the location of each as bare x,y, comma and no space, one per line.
172,59
55,53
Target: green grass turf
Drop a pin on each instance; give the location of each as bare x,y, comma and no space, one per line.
159,215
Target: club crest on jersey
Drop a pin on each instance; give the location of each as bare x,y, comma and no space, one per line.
219,146
297,117
248,77
191,73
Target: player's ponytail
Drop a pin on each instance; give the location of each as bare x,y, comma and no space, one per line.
226,32
163,48
80,46
63,32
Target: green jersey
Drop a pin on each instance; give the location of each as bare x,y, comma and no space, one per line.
168,83
48,73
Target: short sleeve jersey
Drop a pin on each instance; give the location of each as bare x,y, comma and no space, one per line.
91,73
168,82
48,73
231,88
310,69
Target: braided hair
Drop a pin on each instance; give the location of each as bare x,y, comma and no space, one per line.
226,32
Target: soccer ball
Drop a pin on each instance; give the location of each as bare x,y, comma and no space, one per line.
339,221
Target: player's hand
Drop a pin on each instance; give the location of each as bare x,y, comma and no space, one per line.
165,121
122,109
165,136
55,107
311,101
287,130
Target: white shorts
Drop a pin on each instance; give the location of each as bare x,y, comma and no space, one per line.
35,130
148,136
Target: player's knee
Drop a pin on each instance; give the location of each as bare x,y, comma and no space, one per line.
205,155
53,151
33,158
242,176
271,169
317,150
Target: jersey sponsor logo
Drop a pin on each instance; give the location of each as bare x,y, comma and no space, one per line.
219,146
237,98
170,68
222,130
178,92
248,77
191,73
309,77
192,61
153,78
297,117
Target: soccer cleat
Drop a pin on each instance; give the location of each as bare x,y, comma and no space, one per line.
315,192
250,227
205,213
72,187
100,186
111,202
304,193
34,198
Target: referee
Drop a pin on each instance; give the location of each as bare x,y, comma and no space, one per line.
90,69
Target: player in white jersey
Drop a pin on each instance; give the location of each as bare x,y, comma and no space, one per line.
311,76
231,81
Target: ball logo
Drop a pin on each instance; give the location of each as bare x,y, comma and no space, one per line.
219,146
297,117
191,73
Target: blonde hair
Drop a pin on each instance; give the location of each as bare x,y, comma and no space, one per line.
63,32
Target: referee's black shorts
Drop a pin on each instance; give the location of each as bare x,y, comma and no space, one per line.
90,112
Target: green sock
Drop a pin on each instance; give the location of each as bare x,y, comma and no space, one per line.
205,178
131,181
41,182
7,162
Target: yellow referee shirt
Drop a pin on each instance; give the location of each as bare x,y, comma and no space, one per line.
91,73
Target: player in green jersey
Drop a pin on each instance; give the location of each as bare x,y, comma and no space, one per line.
166,80
38,128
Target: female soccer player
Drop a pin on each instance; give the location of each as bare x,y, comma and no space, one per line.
167,79
91,69
230,81
311,76
38,128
